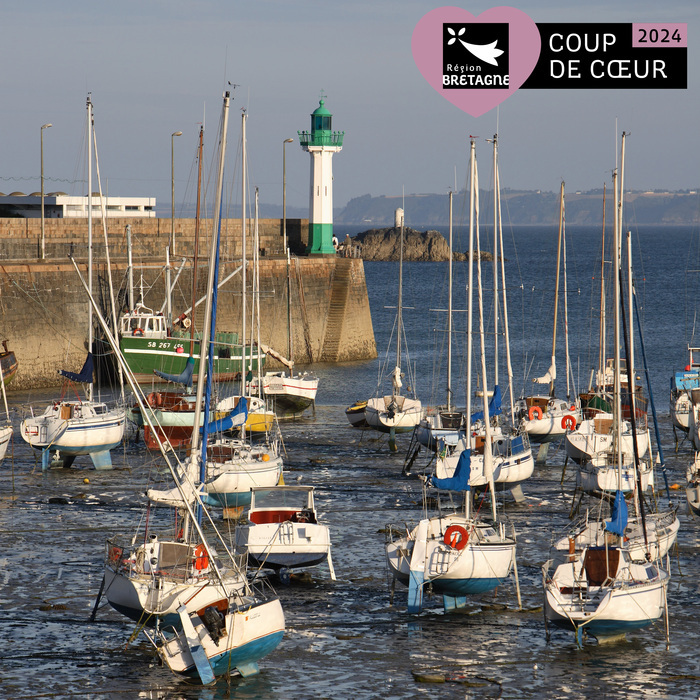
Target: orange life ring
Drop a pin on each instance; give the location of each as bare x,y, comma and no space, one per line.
535,413
152,400
456,537
201,558
137,332
568,422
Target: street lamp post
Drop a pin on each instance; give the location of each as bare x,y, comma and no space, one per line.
43,240
172,189
284,190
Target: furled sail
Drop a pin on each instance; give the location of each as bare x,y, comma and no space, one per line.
184,378
550,376
238,416
494,406
618,521
85,374
459,481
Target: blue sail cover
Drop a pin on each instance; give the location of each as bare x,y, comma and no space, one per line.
238,416
459,481
618,522
85,375
494,406
184,378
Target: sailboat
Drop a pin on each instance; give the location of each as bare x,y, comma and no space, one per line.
601,588
592,439
73,427
544,417
620,463
682,385
510,454
231,466
283,531
209,623
172,411
6,430
443,424
395,413
456,554
291,393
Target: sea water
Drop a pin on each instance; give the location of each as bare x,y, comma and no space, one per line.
347,639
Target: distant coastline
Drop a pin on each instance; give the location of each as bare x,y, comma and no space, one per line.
527,208
520,207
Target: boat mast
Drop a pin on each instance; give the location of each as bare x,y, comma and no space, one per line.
601,351
213,255
244,116
556,291
195,259
569,373
449,318
495,258
470,287
397,371
509,364
488,449
617,409
470,341
256,282
89,169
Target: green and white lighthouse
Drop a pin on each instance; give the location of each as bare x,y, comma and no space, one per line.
321,142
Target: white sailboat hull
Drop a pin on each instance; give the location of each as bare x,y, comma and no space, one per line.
291,394
512,462
75,428
635,599
286,545
440,428
154,579
5,437
482,564
553,425
593,477
233,468
252,632
681,406
386,413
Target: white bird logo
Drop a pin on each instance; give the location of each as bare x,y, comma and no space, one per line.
488,53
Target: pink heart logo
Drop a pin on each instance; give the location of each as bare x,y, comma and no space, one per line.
465,64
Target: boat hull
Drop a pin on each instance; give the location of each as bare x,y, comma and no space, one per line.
5,437
604,611
144,355
252,632
75,428
478,566
230,480
380,415
9,365
290,395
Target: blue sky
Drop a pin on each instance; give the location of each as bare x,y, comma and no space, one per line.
156,66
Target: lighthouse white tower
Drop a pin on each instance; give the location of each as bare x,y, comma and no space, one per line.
321,142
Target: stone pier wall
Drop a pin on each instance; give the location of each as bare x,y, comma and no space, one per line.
44,307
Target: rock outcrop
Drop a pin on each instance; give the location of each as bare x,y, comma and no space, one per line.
384,244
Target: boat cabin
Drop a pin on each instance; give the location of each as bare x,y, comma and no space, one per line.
278,504
143,322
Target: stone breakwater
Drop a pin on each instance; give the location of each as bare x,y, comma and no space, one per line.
45,308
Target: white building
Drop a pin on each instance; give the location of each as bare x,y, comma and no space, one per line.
58,205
